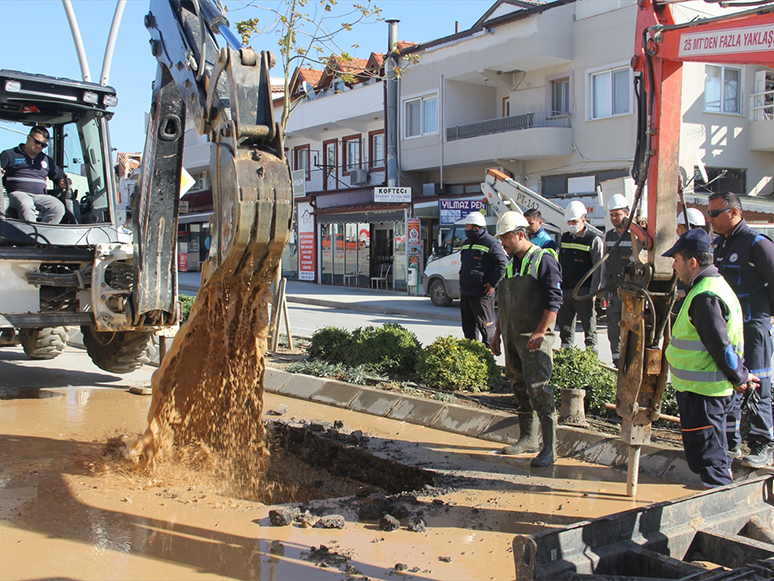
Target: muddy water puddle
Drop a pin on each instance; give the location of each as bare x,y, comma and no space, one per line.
64,513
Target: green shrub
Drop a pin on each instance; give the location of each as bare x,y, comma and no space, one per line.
669,401
390,348
579,369
459,364
330,344
186,302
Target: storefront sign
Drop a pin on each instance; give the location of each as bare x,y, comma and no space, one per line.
414,237
449,211
392,195
299,183
306,250
182,262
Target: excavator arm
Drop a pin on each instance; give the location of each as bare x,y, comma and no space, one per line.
661,47
226,93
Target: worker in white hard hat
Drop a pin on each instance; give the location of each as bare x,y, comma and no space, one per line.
620,254
482,265
579,250
695,220
528,299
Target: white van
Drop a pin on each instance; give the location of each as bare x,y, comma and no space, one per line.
441,278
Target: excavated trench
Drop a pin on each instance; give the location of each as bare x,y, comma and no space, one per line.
317,461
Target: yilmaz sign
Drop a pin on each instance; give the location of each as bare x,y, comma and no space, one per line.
392,195
449,211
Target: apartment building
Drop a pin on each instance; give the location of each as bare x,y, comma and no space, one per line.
545,92
347,233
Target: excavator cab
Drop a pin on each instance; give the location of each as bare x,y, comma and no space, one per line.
79,272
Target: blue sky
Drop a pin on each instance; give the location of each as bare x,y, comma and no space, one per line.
36,39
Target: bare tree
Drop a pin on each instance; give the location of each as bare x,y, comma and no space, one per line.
307,32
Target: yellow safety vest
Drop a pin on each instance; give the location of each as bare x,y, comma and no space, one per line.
692,367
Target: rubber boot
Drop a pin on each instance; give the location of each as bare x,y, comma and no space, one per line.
528,436
547,455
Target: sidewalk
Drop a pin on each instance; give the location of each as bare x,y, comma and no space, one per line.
350,298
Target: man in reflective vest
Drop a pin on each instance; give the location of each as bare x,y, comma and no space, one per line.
528,299
482,265
579,250
705,358
745,258
620,254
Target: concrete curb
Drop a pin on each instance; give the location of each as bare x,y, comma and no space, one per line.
494,426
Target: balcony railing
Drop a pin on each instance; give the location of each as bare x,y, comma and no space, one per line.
505,124
762,106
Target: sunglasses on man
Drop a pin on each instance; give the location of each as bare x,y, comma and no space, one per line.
718,212
39,143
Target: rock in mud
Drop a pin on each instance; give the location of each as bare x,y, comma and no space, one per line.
398,510
331,521
283,517
356,437
369,512
320,426
417,525
277,548
365,491
389,523
338,424
401,567
278,411
445,559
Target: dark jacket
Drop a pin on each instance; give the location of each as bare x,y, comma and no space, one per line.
24,174
745,258
577,254
482,260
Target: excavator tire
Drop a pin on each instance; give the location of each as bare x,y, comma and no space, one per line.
116,351
45,343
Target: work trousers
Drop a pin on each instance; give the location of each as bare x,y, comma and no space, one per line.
565,318
530,373
613,314
703,426
478,317
29,205
758,350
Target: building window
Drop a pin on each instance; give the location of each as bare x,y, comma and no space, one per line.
421,116
351,148
721,180
376,149
506,107
301,160
722,89
560,96
330,161
610,92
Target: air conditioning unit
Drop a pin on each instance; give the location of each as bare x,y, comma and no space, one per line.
358,177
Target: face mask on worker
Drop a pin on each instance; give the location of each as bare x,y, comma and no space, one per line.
474,235
575,228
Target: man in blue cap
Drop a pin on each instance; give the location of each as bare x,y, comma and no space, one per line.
705,358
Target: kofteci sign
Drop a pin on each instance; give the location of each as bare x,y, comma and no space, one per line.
392,195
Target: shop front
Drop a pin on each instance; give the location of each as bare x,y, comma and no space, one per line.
365,249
